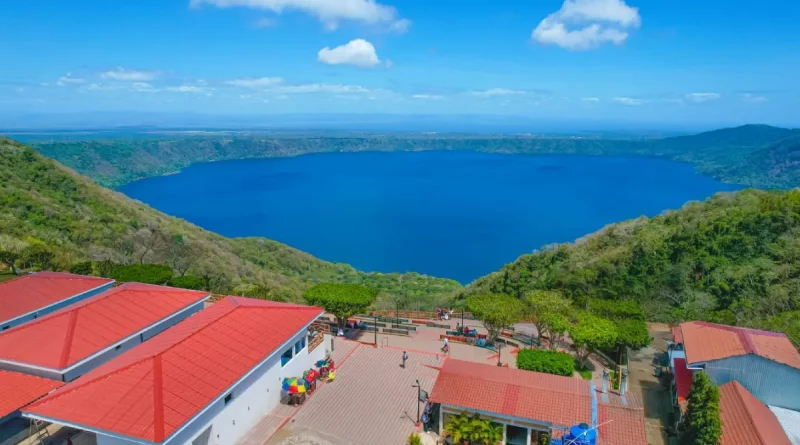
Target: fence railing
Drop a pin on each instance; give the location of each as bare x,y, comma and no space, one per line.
418,315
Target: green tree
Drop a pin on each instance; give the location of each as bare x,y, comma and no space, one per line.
37,255
702,423
466,429
188,282
82,268
554,326
549,362
10,251
342,300
496,312
592,333
540,303
143,273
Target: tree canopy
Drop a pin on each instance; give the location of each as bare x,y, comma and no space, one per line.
592,333
496,312
342,300
142,273
543,305
702,423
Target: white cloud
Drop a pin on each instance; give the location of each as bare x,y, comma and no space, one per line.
69,80
143,87
591,99
427,96
329,12
265,22
496,92
753,98
103,87
256,82
129,75
356,52
321,88
587,24
192,89
628,100
701,97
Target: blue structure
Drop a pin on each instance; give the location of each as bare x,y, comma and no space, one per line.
773,383
581,434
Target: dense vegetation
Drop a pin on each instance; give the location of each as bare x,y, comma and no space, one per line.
550,362
52,218
734,259
702,424
755,155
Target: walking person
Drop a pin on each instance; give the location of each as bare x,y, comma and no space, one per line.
405,357
446,347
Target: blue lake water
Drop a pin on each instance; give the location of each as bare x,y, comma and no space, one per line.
451,214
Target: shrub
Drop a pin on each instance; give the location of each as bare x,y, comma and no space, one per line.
550,362
414,439
702,421
143,273
188,282
82,268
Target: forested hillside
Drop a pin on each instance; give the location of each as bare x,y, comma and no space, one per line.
52,218
754,155
734,259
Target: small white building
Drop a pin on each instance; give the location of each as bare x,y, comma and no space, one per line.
206,380
31,296
70,342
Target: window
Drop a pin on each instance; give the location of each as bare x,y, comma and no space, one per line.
299,345
228,398
286,357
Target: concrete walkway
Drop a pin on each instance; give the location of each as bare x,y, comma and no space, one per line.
643,383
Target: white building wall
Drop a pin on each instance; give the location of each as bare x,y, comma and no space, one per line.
253,398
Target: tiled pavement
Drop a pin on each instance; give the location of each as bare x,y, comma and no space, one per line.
372,400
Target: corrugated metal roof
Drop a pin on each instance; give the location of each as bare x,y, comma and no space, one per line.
30,293
155,388
790,422
705,341
18,390
65,337
747,421
530,395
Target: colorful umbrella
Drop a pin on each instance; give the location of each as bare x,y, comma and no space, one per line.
310,375
322,364
294,385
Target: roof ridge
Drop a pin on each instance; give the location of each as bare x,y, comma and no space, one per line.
131,364
738,388
542,387
73,321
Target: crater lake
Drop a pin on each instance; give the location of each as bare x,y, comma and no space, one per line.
457,215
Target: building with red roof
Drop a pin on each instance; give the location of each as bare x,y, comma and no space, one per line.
16,391
747,421
30,296
71,341
681,383
532,404
206,380
766,363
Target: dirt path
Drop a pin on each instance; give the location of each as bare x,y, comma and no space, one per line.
653,393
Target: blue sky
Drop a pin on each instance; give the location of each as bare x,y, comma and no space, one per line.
658,61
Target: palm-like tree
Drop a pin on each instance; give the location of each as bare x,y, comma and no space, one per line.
467,429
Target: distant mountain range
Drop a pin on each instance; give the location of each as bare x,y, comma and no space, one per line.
754,155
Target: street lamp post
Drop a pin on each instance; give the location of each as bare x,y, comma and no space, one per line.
375,318
499,351
419,396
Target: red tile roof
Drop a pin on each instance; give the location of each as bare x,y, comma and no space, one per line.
30,293
563,401
704,342
65,337
747,421
677,337
683,379
620,425
18,390
155,388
